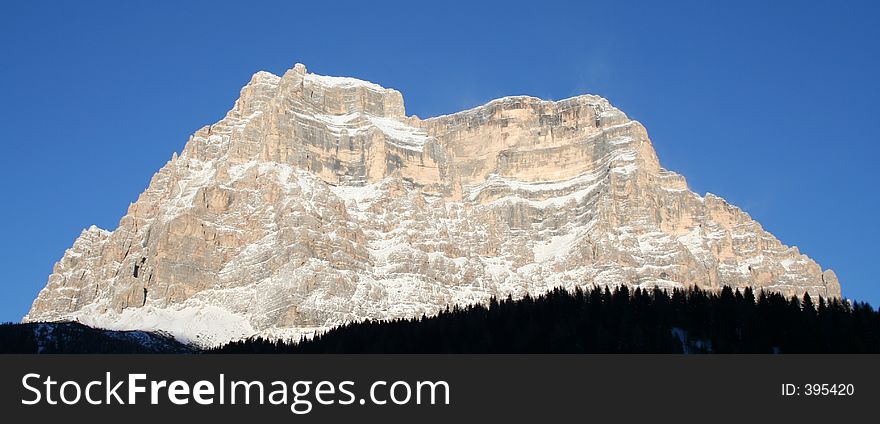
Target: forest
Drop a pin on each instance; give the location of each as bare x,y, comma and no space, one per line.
593,320
602,320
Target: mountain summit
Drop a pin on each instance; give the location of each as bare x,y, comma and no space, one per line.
317,201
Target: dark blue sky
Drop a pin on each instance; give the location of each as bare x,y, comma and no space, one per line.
772,105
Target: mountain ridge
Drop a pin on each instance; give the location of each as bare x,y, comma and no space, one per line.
317,201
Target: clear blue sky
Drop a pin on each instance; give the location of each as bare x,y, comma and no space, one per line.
773,105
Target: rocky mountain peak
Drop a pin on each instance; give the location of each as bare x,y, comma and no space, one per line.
316,201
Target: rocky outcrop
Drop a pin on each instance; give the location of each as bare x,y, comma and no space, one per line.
317,201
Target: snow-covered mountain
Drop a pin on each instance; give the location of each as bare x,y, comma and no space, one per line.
317,201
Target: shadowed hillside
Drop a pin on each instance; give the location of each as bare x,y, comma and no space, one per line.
72,337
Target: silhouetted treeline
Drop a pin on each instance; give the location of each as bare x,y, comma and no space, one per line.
72,337
600,320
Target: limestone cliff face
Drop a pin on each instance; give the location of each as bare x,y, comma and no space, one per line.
317,201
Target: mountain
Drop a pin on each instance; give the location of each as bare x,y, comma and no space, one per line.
317,201
72,337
